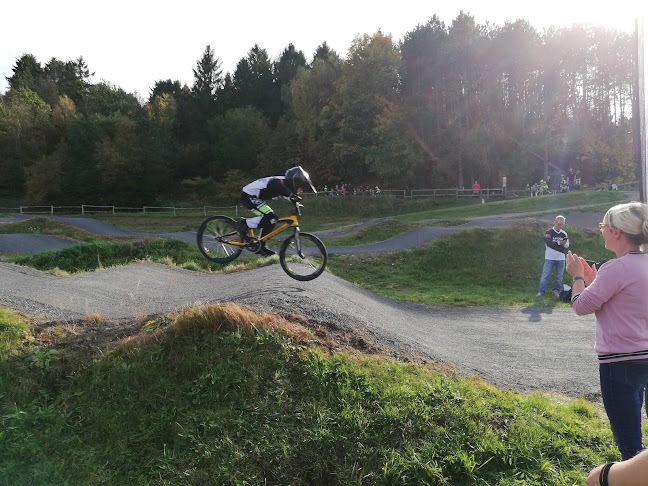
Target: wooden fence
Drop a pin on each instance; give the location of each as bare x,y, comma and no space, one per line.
85,209
486,194
459,193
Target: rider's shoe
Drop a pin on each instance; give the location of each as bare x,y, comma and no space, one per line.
242,228
265,251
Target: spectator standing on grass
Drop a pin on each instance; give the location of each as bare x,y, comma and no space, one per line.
476,187
617,294
564,184
556,243
571,178
543,187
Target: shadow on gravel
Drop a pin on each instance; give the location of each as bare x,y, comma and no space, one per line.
535,313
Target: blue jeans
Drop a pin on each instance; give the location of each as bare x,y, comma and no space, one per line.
546,272
622,389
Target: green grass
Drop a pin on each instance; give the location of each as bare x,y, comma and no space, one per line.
97,255
380,231
13,331
220,395
542,204
384,230
473,267
46,226
154,222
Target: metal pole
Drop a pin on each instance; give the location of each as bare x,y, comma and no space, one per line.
640,109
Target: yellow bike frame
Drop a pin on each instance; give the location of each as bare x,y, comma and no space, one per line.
289,222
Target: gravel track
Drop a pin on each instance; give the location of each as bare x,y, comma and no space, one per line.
523,349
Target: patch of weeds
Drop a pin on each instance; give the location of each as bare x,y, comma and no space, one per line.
93,319
59,273
192,265
13,330
42,359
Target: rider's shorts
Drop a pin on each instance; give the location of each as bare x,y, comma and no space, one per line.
263,217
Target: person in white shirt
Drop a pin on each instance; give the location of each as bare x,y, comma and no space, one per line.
556,244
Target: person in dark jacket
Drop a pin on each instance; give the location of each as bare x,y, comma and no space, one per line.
556,244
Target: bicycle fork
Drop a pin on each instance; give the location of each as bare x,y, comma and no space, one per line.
298,243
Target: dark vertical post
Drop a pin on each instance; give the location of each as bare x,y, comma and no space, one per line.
639,105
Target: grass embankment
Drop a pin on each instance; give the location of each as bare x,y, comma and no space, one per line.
97,255
220,395
379,231
478,266
46,226
543,204
383,230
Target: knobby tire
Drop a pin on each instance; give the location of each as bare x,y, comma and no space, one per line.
309,267
214,237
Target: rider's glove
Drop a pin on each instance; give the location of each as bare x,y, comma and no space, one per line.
295,198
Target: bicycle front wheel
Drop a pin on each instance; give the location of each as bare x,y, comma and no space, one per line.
215,237
308,264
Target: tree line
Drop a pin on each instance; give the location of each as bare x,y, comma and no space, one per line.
443,107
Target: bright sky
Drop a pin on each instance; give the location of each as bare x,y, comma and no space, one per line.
132,44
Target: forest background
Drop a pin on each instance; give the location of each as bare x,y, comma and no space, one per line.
445,106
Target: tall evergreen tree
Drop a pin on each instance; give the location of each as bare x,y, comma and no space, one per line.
285,70
26,73
254,84
161,88
207,76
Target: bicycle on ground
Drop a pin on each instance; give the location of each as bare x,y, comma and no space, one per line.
302,256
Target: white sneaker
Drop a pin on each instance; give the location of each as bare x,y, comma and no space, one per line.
556,294
539,294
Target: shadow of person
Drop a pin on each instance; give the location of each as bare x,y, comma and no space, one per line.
535,313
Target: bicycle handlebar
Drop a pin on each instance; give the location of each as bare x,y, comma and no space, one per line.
296,206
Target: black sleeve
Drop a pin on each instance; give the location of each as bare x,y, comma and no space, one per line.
548,239
277,188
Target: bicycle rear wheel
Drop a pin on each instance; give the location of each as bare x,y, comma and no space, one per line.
215,237
312,261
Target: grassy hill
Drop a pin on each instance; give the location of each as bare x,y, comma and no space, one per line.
226,396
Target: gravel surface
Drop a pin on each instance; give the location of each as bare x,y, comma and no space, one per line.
523,349
514,348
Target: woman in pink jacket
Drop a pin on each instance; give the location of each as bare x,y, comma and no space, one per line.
618,295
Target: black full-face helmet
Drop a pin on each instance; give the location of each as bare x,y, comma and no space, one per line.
296,178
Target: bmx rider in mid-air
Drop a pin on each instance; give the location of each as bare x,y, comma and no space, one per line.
255,195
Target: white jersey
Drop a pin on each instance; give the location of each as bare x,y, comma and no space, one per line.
277,188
